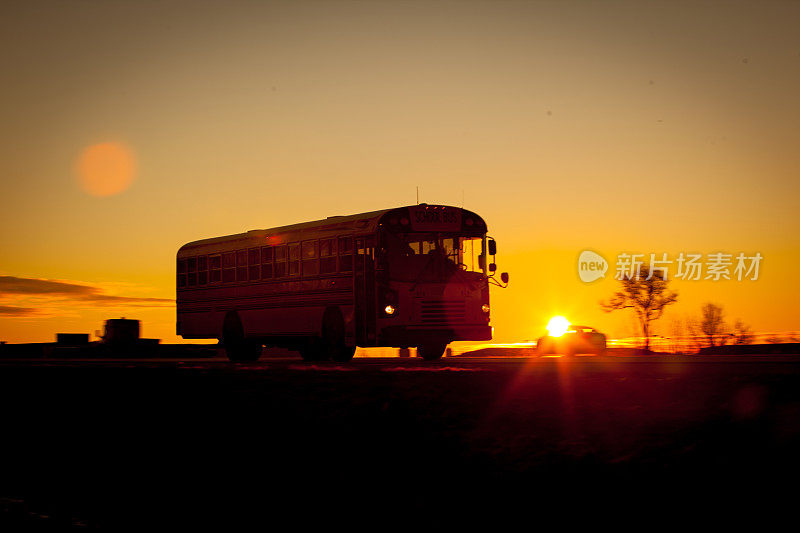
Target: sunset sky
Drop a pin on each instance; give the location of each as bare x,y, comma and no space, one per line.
638,127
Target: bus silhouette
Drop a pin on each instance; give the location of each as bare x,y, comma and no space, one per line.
410,276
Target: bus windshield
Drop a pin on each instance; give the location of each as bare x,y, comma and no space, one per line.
431,256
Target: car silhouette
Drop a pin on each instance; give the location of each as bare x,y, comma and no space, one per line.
577,339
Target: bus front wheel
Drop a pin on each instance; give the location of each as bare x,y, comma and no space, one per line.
333,337
431,352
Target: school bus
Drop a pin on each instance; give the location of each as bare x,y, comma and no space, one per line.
413,276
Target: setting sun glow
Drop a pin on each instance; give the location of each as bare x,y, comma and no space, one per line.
106,169
557,326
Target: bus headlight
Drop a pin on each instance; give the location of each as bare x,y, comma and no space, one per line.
485,308
389,309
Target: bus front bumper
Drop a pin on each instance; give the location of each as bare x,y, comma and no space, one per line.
404,336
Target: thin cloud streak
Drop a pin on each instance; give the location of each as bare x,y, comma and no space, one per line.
10,310
16,287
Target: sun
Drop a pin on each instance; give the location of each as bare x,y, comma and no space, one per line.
557,326
106,169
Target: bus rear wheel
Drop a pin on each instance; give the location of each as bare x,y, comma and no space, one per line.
431,352
237,347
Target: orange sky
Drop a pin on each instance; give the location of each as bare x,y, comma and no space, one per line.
610,126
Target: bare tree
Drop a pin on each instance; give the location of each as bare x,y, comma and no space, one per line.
646,293
742,333
677,334
713,324
696,336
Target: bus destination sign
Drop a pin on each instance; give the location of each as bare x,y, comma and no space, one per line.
435,218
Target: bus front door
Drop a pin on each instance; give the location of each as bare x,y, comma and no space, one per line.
364,287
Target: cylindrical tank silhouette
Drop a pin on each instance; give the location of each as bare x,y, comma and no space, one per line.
121,332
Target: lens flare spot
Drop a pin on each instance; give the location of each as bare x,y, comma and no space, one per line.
557,326
106,169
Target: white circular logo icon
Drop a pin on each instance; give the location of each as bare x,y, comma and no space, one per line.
591,266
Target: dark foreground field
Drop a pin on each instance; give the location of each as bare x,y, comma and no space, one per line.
381,444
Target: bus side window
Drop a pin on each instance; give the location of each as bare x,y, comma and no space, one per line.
294,259
202,270
310,251
241,265
229,267
215,268
369,242
191,266
254,263
345,254
327,252
450,249
280,261
266,262
181,281
361,257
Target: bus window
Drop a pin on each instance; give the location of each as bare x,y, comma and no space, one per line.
294,259
215,269
241,265
202,270
327,247
228,267
471,249
181,281
280,261
327,252
310,251
450,249
345,254
254,263
266,262
359,248
191,266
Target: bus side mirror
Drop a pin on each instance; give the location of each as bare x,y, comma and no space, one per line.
504,277
492,247
482,262
492,267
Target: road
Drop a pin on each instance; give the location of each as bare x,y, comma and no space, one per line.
387,441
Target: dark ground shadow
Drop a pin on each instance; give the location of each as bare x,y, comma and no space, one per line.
231,448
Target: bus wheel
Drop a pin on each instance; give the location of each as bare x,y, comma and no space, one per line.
431,352
333,343
237,348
